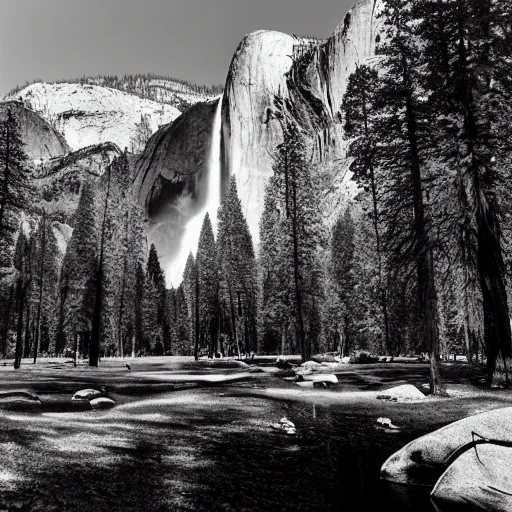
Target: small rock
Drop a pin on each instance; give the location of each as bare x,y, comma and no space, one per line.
102,403
322,377
386,423
323,358
311,364
286,422
305,384
87,394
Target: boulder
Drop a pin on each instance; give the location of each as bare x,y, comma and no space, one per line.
19,404
86,394
423,461
283,364
401,393
102,403
321,377
363,357
18,393
480,479
19,399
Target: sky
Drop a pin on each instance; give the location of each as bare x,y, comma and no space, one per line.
192,40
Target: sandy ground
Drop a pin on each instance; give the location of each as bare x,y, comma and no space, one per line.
189,436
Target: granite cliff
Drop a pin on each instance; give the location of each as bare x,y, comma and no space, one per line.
272,76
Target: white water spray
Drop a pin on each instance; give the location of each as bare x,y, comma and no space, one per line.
192,229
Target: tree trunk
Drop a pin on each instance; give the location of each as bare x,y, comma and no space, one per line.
7,318
296,274
19,330
26,347
75,348
424,257
41,283
94,347
196,347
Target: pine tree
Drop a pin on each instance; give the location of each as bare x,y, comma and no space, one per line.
192,293
99,281
275,275
402,130
358,107
297,194
22,264
208,282
14,182
78,273
468,69
343,274
238,268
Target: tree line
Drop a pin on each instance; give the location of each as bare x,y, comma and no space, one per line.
430,140
417,261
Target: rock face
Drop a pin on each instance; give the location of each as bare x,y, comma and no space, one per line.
89,114
272,77
250,129
60,179
170,175
173,156
311,78
41,140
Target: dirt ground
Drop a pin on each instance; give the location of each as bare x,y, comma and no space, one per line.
189,436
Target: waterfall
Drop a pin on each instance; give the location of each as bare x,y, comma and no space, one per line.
192,229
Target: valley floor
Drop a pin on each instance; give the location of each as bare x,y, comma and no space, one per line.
184,438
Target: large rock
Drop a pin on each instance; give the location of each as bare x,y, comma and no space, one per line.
479,480
424,460
401,393
251,130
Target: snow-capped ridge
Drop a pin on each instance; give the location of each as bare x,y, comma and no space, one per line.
91,114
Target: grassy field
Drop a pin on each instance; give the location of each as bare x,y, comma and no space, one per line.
190,436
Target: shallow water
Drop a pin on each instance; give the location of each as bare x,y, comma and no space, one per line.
333,464
198,450
210,449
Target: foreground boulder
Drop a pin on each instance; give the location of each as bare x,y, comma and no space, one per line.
424,460
480,479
